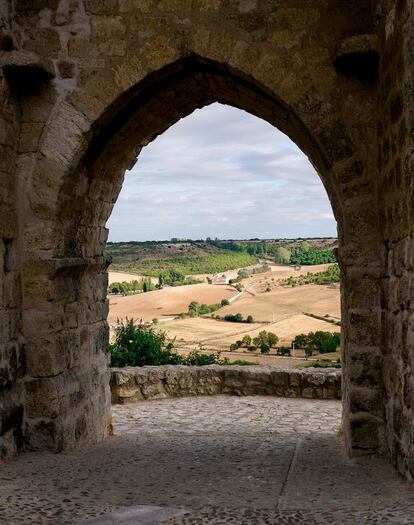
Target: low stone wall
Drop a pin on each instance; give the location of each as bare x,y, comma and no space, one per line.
131,384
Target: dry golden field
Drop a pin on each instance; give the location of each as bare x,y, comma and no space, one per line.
165,303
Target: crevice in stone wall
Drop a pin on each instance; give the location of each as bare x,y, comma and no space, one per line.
8,255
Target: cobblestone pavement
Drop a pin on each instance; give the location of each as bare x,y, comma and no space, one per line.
210,460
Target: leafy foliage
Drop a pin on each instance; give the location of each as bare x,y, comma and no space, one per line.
140,345
188,265
196,358
330,275
132,287
196,309
322,342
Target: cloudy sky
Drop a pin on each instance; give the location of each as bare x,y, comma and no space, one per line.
221,172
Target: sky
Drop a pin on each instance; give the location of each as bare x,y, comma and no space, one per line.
221,172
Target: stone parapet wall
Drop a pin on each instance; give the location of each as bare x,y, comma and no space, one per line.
133,384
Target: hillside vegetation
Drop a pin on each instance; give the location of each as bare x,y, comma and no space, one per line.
211,256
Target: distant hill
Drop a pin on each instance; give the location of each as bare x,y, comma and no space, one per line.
210,256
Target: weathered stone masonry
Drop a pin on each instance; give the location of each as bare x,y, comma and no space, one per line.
86,84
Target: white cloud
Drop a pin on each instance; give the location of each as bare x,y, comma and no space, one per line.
221,172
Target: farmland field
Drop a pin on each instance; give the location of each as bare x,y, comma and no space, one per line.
167,302
286,311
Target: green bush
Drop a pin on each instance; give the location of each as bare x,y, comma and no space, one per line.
242,362
283,350
196,358
264,348
247,340
234,318
140,345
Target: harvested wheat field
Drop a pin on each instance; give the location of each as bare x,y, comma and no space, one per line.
219,335
258,282
284,301
167,302
206,330
281,311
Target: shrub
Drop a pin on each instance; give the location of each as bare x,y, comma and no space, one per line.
140,345
283,350
252,348
250,319
233,347
234,318
196,358
264,348
225,302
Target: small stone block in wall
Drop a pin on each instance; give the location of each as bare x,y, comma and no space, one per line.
131,384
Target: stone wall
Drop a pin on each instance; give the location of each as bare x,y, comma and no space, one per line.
133,384
86,84
396,192
11,343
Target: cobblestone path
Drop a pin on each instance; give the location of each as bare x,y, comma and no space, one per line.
209,460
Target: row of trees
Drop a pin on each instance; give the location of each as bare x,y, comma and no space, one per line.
131,287
244,273
321,342
264,340
174,277
313,342
237,318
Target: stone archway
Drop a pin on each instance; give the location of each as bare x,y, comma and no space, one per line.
72,137
85,200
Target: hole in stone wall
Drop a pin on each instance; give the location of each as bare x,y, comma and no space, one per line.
8,255
360,65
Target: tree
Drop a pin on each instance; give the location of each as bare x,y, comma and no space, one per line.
225,302
272,339
233,347
194,308
282,255
249,319
247,340
301,340
261,339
